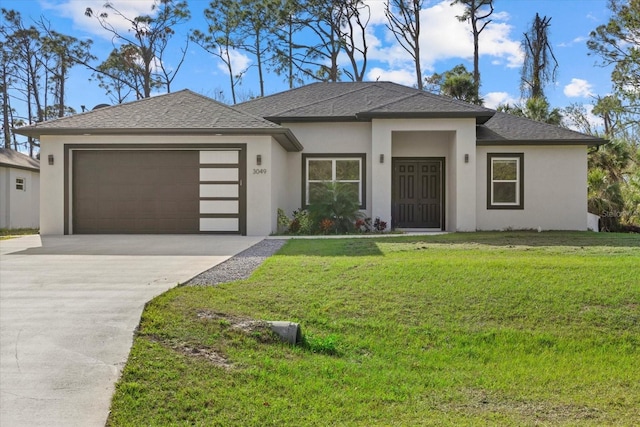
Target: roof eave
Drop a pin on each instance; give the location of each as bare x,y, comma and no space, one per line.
586,142
312,119
481,117
284,136
14,166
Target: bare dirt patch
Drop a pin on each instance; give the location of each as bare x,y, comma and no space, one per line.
259,329
214,356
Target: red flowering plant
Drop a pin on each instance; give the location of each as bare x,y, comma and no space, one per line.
326,225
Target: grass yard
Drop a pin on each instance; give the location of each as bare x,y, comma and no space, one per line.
472,329
10,233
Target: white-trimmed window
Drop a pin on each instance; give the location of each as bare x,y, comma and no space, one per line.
345,169
21,184
505,181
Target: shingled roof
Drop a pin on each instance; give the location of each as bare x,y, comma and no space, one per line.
14,159
349,101
507,129
186,112
183,112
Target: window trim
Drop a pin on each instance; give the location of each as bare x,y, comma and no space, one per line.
519,157
362,157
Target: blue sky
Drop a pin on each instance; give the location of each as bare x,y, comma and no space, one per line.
445,42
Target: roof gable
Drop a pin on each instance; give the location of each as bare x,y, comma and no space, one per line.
14,159
183,112
359,101
178,110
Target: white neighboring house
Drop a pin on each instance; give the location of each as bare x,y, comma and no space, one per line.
19,190
184,163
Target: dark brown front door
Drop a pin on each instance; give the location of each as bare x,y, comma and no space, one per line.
418,193
118,191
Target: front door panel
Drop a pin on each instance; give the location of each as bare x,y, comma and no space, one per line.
417,193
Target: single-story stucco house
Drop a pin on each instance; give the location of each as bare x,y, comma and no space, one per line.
19,190
184,163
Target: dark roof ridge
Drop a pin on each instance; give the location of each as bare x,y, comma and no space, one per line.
306,86
358,89
443,98
231,107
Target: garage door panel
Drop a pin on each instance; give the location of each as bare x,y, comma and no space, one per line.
156,191
148,191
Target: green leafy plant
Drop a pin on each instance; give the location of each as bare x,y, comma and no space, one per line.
336,202
301,223
283,221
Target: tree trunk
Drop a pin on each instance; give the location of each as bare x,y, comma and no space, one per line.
290,52
63,72
231,79
416,11
476,57
259,61
6,126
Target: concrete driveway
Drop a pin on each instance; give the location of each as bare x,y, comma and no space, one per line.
68,309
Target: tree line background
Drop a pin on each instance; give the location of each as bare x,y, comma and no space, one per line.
302,41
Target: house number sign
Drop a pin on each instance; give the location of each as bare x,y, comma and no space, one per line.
259,171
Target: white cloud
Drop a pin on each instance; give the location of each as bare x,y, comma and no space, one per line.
578,88
495,42
444,37
376,8
239,62
405,77
74,10
493,99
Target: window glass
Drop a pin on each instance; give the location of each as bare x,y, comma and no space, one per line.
504,192
505,169
320,170
342,170
347,170
505,185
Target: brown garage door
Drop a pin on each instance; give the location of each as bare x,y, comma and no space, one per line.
122,191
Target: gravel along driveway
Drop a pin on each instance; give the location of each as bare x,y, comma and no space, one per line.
239,266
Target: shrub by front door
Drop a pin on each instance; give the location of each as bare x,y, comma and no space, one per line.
418,193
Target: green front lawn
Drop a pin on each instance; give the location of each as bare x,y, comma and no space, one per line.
462,329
